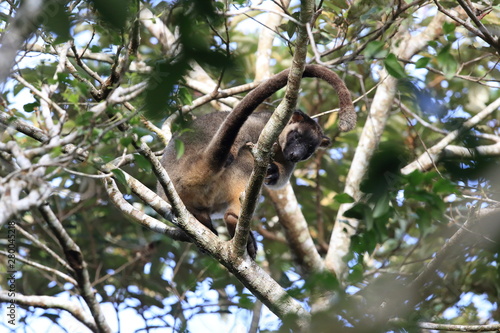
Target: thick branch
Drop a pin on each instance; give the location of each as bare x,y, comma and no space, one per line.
272,129
246,270
344,228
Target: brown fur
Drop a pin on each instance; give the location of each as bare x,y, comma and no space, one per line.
216,165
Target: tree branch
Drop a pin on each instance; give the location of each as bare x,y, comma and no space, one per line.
197,77
425,161
138,216
75,259
273,128
460,328
427,276
18,31
296,229
12,187
45,248
42,267
485,33
51,302
246,270
344,228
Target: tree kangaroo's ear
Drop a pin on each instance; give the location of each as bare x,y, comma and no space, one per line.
325,142
297,117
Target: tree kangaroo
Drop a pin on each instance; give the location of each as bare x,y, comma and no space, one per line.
216,165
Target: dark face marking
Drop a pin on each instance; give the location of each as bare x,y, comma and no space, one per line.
300,145
303,137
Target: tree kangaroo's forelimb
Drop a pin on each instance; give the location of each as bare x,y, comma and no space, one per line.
219,148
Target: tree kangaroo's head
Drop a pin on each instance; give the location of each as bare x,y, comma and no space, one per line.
301,137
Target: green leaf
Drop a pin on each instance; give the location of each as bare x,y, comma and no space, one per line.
422,62
448,27
126,141
179,148
342,4
444,186
185,96
447,61
356,274
291,27
63,77
421,196
374,49
382,206
424,220
361,211
119,176
343,198
142,162
163,82
30,107
55,17
415,178
17,89
115,12
393,67
246,301
56,151
84,118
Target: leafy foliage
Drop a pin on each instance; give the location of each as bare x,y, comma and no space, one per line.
404,219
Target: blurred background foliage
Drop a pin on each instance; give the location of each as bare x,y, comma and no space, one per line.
406,219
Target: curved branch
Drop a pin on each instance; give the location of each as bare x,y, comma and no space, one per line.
51,302
138,216
246,270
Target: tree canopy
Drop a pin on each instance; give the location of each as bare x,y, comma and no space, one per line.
393,228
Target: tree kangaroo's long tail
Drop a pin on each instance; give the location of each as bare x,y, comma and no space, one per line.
220,145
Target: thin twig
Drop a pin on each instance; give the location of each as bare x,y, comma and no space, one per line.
60,274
